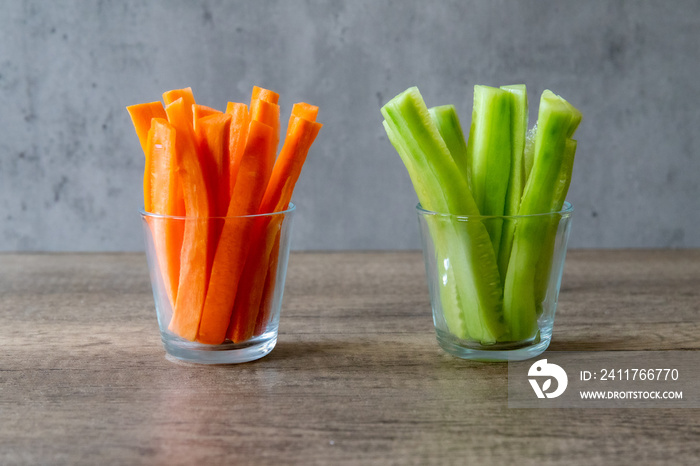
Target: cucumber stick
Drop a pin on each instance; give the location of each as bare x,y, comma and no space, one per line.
556,122
447,122
472,302
516,181
544,265
449,295
489,154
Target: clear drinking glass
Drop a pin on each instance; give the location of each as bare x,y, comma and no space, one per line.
488,304
250,263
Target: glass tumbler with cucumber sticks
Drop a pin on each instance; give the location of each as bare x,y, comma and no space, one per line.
478,315
492,214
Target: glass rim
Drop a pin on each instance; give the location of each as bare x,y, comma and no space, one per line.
290,208
565,211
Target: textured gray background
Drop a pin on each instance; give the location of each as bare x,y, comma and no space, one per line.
70,163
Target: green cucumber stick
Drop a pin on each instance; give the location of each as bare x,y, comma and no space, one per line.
544,265
556,122
447,122
443,189
449,296
516,181
427,188
409,119
488,150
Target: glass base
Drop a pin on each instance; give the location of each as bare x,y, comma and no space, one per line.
499,352
225,353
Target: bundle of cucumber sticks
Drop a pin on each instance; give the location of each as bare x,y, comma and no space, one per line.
498,270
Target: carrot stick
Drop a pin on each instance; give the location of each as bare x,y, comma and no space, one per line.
267,95
232,107
167,234
268,113
141,116
308,112
302,110
277,196
252,283
194,259
201,111
148,173
285,174
212,136
249,188
240,120
187,97
233,244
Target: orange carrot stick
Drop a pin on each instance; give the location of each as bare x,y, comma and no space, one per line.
252,283
141,116
308,112
212,136
148,173
268,113
233,107
285,174
302,110
187,97
249,188
194,259
240,120
200,111
233,244
277,197
167,234
267,95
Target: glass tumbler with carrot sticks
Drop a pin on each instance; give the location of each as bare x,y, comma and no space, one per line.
217,219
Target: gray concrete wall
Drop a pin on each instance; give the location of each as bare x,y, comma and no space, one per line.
70,163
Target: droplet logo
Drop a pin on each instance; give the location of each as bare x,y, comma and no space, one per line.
543,369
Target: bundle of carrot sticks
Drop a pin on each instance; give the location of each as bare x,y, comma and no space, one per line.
212,168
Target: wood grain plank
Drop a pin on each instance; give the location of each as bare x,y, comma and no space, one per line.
357,376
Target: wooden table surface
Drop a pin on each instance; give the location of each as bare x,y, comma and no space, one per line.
356,377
